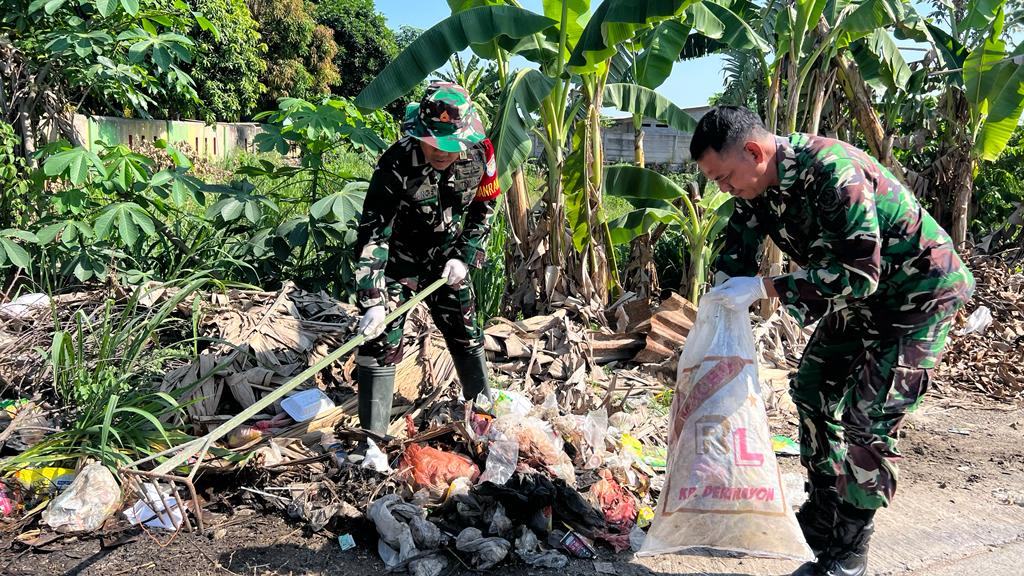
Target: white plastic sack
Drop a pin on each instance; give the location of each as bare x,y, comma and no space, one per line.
723,489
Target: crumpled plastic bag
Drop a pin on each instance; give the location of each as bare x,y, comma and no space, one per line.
318,505
25,305
375,459
484,552
431,565
978,321
538,443
499,523
508,402
722,489
529,550
92,497
540,502
502,456
435,469
595,428
405,535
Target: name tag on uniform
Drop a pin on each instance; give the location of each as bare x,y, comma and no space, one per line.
424,192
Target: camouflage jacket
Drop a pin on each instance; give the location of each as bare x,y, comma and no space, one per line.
416,218
864,245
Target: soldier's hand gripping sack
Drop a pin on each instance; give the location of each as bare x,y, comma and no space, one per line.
723,489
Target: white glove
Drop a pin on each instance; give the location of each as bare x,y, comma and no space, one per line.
739,292
371,324
455,271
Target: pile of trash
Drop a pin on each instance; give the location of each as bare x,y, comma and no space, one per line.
984,351
512,478
569,452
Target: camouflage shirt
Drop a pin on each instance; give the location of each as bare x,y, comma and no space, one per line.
864,245
416,218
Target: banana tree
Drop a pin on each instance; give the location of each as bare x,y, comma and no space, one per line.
655,198
992,82
642,66
964,100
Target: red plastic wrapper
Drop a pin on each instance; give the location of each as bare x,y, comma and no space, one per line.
618,505
435,469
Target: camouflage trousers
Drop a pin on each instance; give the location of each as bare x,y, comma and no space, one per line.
453,309
851,395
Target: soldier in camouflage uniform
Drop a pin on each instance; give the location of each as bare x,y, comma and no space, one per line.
880,277
427,214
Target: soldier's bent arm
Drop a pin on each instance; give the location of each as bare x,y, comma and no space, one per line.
846,261
379,209
743,241
472,244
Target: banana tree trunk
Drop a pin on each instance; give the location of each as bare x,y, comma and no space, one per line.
518,202
638,145
28,135
859,95
640,275
600,253
954,183
962,204
771,260
825,81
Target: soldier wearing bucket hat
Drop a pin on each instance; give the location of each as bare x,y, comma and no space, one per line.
427,214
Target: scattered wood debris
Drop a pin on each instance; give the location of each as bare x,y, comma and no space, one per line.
989,362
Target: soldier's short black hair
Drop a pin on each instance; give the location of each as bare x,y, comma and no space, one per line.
722,128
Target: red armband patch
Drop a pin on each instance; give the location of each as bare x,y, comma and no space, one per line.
489,188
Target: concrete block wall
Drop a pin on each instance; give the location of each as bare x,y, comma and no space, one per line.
213,142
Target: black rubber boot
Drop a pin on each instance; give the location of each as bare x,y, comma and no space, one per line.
376,393
817,518
471,367
847,553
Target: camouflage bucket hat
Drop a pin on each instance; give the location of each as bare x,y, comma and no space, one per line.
445,118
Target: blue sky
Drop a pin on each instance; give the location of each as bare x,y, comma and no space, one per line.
691,83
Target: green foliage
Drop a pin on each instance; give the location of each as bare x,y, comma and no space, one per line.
514,121
106,371
108,55
695,223
999,190
312,239
14,181
430,51
228,64
365,43
300,52
614,22
646,103
491,282
116,211
993,88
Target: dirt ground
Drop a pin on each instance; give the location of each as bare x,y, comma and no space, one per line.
953,454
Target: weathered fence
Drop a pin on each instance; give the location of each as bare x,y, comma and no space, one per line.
214,142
